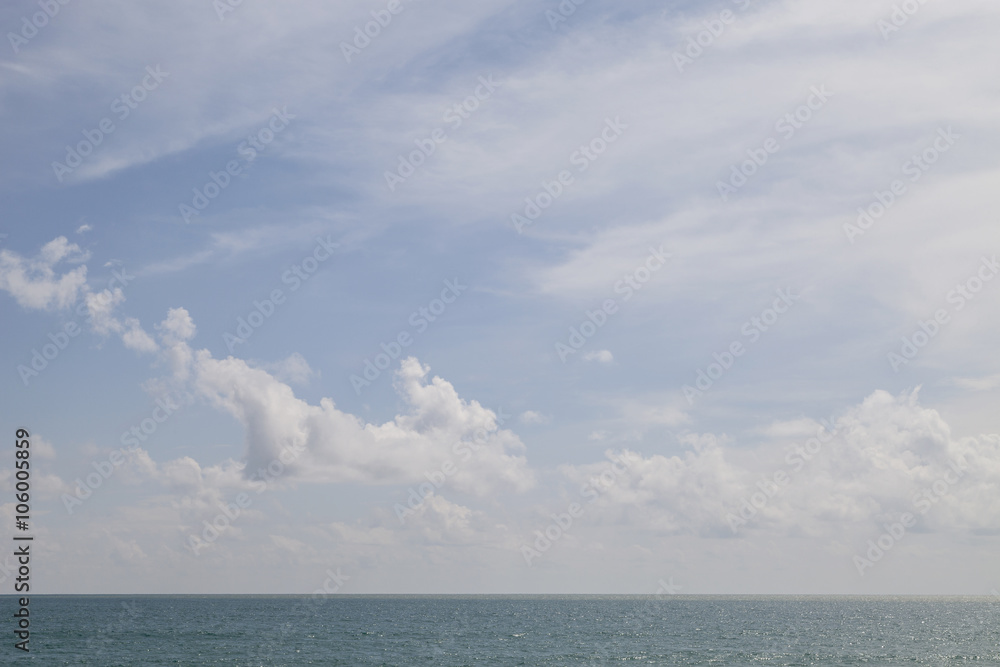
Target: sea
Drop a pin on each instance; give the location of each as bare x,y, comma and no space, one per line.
454,631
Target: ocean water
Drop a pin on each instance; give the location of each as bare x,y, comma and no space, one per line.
506,630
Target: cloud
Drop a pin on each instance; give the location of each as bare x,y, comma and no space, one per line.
978,384
321,444
34,283
135,337
42,448
294,369
125,551
602,356
663,494
101,305
793,428
532,417
177,327
436,521
878,460
656,410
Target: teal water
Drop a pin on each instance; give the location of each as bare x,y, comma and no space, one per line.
506,630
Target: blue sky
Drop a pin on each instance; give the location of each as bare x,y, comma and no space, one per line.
674,235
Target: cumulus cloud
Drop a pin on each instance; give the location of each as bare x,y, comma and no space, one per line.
101,306
177,327
34,283
879,459
135,337
671,494
319,443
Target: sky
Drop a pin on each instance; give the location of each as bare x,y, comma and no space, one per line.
407,296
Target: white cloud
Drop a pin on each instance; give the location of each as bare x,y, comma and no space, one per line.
177,327
602,356
793,428
135,337
101,306
34,283
885,452
978,384
339,447
532,417
437,521
652,411
42,448
294,369
125,551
